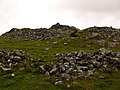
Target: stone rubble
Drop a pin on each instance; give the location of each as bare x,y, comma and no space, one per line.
32,34
102,33
13,75
103,43
46,49
73,66
56,31
11,58
95,36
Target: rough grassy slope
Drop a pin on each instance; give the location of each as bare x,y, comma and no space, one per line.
31,80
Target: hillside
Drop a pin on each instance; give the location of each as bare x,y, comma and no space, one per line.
61,57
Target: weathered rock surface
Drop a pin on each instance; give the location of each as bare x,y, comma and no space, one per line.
12,58
81,64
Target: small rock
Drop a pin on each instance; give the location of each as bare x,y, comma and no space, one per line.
118,55
112,44
9,60
104,51
42,68
6,69
68,86
101,77
55,42
65,43
47,73
13,75
58,82
21,68
33,76
53,70
90,73
17,58
46,49
101,42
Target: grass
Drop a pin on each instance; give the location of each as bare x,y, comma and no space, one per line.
26,80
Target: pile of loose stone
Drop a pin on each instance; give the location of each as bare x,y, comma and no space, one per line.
103,32
12,58
104,36
104,43
33,34
82,64
55,31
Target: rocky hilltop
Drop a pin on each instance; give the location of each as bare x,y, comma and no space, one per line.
54,31
89,57
60,31
102,36
103,32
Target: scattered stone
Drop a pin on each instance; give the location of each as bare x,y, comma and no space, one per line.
13,75
47,73
56,31
58,82
11,58
101,43
101,33
114,40
95,36
101,77
33,76
55,42
104,51
47,42
6,69
21,69
68,86
112,44
65,43
46,49
80,64
74,34
42,68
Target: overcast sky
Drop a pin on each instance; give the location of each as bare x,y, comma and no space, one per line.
44,13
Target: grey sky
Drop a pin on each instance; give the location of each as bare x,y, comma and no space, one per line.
91,5
43,13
